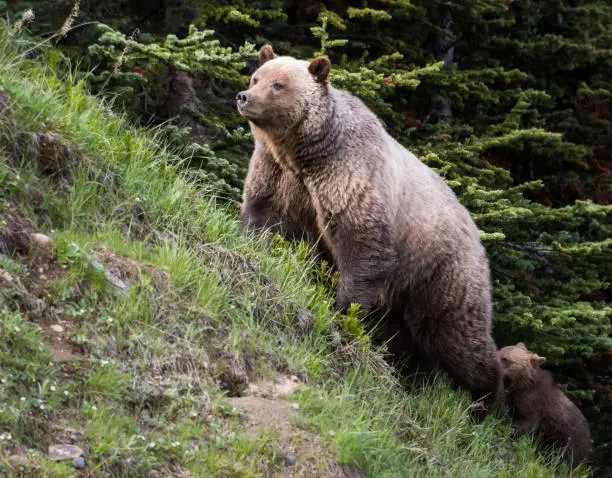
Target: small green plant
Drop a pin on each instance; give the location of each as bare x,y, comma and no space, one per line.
82,264
30,389
12,267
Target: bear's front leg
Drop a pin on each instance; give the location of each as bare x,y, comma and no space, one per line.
275,199
352,290
525,421
524,427
365,261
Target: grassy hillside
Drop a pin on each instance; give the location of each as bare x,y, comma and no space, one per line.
160,339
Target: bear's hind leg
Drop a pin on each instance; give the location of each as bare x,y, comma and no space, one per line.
473,363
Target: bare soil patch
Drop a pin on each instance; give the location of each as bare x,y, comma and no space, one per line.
304,453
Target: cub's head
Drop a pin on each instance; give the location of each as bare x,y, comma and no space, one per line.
519,366
283,90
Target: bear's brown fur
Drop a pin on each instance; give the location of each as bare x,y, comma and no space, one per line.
539,406
274,199
396,232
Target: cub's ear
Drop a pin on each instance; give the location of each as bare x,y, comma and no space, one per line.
319,68
536,360
265,54
521,345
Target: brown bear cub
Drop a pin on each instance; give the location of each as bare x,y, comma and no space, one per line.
539,406
324,167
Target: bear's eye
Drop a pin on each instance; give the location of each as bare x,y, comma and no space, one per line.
254,81
278,86
505,362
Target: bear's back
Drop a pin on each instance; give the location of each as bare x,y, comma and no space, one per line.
563,422
421,205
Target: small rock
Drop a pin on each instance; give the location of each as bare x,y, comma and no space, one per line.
41,240
65,452
79,462
349,471
291,459
57,328
286,386
296,406
117,285
6,280
17,461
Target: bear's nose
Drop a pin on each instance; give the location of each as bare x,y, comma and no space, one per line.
242,98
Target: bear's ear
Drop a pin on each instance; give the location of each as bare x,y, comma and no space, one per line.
266,53
521,345
319,68
536,360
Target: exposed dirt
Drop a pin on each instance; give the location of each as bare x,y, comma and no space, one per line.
63,348
59,329
15,234
281,387
63,433
128,270
52,156
43,267
30,294
233,375
304,454
170,471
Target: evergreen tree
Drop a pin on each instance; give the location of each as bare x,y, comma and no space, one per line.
133,68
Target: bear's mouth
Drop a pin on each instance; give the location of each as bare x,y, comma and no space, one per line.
247,111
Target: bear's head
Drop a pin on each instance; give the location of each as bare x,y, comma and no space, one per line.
519,366
284,91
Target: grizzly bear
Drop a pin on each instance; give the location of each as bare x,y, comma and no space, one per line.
539,406
398,236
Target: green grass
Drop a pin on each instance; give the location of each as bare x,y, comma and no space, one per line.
145,394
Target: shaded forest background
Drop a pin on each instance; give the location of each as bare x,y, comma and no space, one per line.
509,100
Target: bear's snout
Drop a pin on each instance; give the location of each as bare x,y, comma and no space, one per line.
242,98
